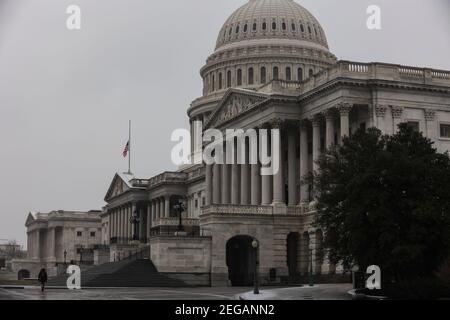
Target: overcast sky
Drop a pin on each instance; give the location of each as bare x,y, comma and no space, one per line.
66,96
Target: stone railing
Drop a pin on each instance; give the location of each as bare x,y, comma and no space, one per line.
174,221
377,71
238,209
139,182
168,177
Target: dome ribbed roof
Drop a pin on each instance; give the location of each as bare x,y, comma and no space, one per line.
272,20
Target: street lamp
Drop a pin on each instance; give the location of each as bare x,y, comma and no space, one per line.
311,280
134,220
255,245
65,256
179,208
81,254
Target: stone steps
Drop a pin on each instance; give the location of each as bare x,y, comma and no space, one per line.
126,273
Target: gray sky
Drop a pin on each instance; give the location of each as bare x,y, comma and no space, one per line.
66,96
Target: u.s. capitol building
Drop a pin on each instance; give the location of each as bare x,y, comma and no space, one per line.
271,68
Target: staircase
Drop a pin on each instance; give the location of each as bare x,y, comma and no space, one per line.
126,273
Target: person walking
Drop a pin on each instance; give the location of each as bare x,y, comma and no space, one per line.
42,277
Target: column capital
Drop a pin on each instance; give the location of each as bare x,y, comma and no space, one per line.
276,123
316,120
329,114
397,111
380,110
429,114
344,108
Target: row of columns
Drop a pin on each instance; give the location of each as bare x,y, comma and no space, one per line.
119,221
242,184
159,208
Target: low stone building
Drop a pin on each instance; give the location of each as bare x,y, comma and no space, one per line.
57,238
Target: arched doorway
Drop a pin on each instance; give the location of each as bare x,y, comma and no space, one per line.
241,260
292,249
23,274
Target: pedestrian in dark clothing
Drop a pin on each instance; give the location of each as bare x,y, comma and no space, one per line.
42,277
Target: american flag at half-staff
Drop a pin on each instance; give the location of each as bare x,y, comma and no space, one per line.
127,150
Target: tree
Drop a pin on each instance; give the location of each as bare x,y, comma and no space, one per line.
385,200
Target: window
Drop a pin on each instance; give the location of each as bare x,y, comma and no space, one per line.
293,27
228,79
213,85
275,73
309,29
445,130
254,26
263,75
245,28
196,203
79,233
237,29
288,74
203,201
414,125
283,26
300,74
220,81
92,234
264,26
229,32
302,28
239,77
274,26
311,72
250,76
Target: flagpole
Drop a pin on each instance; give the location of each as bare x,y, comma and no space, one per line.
129,147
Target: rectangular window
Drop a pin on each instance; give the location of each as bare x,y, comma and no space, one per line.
196,203
203,201
445,130
414,125
79,233
92,234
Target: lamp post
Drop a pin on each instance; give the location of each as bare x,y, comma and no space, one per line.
65,256
311,280
81,254
179,208
134,220
255,245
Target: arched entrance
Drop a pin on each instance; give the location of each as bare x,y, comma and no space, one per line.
240,260
292,249
23,274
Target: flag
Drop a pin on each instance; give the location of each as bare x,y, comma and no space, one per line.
126,149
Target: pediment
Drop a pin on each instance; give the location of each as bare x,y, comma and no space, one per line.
30,219
234,103
117,187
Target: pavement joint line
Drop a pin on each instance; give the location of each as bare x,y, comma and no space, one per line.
200,294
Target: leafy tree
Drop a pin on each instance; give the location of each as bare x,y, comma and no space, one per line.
385,200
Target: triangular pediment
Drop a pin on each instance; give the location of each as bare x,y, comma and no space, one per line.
117,187
234,103
30,219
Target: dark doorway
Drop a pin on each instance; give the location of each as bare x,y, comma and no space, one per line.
292,249
23,274
241,261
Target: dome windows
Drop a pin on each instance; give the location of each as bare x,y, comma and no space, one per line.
245,27
239,77
264,26
302,28
293,27
283,26
275,73
228,79
300,74
288,74
250,76
254,26
213,84
220,81
263,75
309,30
237,29
274,26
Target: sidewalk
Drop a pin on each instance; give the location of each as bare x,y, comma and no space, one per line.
317,292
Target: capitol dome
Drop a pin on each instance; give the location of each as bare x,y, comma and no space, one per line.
271,20
262,41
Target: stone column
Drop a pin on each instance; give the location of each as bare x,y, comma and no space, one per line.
255,184
430,125
329,119
158,208
304,188
225,184
266,180
344,112
37,245
216,183
380,113
149,220
167,206
292,155
235,179
119,222
316,122
397,113
278,177
208,184
245,199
